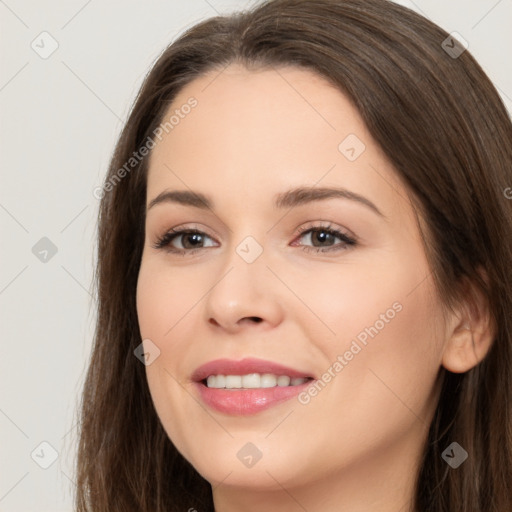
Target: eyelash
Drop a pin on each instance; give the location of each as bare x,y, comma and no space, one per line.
164,241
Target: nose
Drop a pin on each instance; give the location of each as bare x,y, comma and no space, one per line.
246,295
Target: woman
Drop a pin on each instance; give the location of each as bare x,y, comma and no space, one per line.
304,274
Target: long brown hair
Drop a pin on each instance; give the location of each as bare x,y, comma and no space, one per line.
443,126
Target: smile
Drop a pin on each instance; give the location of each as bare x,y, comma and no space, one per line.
248,386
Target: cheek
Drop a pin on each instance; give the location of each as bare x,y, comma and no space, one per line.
161,306
388,346
355,300
392,361
162,298
385,385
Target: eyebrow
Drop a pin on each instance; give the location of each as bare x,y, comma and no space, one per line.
289,199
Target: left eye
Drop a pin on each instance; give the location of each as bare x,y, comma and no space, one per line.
326,235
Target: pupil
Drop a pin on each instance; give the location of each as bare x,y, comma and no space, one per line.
322,236
195,236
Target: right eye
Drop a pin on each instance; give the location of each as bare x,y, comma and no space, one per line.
189,241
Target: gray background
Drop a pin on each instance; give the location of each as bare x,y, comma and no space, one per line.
60,117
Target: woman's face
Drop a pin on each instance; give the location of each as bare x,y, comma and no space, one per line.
306,283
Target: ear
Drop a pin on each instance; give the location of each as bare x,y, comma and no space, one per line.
471,333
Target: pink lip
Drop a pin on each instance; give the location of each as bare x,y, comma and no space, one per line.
241,402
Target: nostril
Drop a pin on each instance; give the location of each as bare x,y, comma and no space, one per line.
256,319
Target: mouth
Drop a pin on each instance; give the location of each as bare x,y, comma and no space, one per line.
248,386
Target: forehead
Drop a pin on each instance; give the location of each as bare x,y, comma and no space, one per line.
256,133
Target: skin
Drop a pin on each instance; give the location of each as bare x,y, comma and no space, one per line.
356,444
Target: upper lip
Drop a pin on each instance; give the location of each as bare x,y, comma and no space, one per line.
244,367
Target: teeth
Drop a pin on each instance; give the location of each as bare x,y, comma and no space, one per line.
252,381
268,380
283,380
233,381
249,381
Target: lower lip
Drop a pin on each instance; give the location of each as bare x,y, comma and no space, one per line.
242,402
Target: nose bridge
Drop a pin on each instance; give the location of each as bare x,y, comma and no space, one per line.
243,287
243,269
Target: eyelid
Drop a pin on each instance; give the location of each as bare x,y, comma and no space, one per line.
328,226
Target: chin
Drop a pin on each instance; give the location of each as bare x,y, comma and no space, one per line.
256,465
